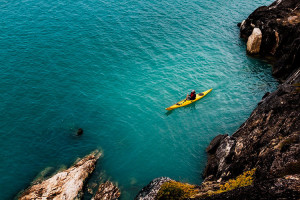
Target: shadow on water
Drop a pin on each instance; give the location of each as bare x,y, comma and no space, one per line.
169,112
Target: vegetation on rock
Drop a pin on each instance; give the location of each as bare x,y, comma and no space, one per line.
175,190
242,180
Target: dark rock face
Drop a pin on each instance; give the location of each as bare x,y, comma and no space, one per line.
280,27
150,191
268,141
215,143
217,163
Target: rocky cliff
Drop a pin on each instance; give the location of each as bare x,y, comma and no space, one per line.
269,141
261,160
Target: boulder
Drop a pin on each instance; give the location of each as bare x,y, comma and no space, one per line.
254,41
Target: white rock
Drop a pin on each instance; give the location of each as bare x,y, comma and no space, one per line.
65,185
254,41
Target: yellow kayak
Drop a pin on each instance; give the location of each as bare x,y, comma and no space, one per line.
187,102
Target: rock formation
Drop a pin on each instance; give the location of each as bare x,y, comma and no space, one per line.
150,191
268,141
280,27
67,184
107,191
254,41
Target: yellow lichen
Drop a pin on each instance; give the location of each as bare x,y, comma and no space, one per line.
242,180
175,190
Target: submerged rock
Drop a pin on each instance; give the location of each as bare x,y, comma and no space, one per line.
150,191
254,41
67,184
80,131
107,191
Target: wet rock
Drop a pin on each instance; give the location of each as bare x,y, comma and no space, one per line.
254,41
67,184
218,161
212,147
80,131
107,191
150,191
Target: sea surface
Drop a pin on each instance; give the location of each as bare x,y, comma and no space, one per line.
111,68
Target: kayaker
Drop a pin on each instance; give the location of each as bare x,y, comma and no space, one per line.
191,96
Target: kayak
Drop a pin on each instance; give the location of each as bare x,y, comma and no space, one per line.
187,102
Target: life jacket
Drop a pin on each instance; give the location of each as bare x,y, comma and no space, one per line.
193,96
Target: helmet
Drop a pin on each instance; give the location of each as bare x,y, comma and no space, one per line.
193,91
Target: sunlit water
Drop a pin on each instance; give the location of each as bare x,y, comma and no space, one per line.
111,68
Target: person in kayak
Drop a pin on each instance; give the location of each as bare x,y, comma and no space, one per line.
191,96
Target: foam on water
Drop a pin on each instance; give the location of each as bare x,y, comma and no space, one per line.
111,68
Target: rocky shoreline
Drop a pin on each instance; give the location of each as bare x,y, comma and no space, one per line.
69,184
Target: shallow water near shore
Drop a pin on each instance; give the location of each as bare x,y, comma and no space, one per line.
111,68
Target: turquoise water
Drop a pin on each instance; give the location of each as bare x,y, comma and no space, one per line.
111,68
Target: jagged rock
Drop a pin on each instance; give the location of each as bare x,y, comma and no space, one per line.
280,27
212,147
67,184
150,191
107,191
254,41
218,159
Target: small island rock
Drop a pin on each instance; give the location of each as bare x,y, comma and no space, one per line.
67,184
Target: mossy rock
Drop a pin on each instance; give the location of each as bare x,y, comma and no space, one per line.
173,190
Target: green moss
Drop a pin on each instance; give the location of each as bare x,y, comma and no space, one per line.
174,190
242,180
